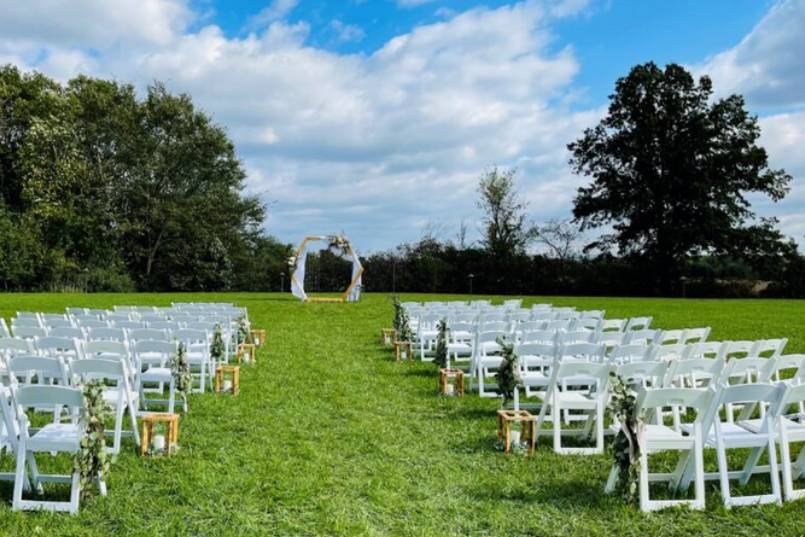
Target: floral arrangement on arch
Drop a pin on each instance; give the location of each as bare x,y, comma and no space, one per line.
292,261
338,244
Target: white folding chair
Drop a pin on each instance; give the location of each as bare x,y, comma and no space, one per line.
60,436
153,355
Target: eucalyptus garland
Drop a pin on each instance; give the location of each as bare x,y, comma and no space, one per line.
626,446
402,327
92,461
441,344
217,348
244,334
180,369
508,375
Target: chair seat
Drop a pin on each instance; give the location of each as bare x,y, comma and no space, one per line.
459,347
577,399
664,437
157,374
796,431
57,437
112,395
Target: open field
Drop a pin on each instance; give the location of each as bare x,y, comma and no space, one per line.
329,436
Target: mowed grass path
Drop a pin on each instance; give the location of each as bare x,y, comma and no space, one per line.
329,436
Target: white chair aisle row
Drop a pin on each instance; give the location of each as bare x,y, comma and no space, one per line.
696,394
45,358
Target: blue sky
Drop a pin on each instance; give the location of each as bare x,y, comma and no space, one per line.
376,117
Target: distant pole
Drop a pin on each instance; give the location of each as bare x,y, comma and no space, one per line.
471,276
393,274
282,282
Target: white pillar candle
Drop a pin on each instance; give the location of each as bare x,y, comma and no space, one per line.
159,443
450,389
515,437
516,399
227,385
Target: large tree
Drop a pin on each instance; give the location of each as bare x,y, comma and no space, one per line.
506,232
671,169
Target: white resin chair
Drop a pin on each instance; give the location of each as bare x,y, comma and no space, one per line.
153,356
61,436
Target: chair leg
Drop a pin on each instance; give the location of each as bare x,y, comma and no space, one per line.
773,471
785,456
171,396
699,461
645,501
612,480
19,478
723,472
133,418
75,492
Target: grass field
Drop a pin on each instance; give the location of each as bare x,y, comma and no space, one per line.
329,436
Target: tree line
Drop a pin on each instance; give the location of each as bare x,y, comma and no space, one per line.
102,189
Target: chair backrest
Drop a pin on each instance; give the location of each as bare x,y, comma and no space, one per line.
494,326
91,323
155,346
128,325
616,325
769,348
57,345
638,323
50,367
39,396
738,349
4,331
591,352
748,395
143,334
57,323
190,336
559,324
581,336
98,368
676,351
67,331
164,325
696,335
670,337
106,334
105,348
646,335
794,394
76,311
586,323
647,373
693,398
533,354
707,349
746,370
591,314
12,345
539,336
25,321
694,371
787,366
492,336
28,332
636,352
596,374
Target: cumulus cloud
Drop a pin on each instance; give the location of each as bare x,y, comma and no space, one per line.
767,65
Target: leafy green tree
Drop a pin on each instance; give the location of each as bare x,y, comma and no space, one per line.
505,232
671,169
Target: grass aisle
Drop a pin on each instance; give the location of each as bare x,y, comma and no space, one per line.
329,436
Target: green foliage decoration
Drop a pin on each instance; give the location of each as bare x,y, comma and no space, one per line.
441,344
626,446
217,348
402,327
92,461
508,376
180,369
244,334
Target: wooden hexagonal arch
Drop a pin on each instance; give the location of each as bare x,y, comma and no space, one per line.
352,292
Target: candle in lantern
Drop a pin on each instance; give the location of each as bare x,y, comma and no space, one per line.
515,437
159,443
450,389
227,385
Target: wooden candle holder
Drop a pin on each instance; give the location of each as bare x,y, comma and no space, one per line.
247,348
398,350
528,432
171,437
445,375
387,336
257,337
234,373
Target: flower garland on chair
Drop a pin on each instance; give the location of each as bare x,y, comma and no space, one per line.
244,334
92,461
508,376
626,448
180,369
217,348
441,344
402,328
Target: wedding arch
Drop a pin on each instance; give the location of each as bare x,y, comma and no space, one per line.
340,245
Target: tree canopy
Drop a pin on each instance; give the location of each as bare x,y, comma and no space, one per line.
506,232
102,189
671,169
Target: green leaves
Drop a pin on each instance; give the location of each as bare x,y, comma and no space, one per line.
217,348
508,375
402,328
92,461
626,447
441,344
180,369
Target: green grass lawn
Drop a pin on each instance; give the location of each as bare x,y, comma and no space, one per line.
330,436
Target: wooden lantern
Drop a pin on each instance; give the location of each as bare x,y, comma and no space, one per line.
171,422
387,336
528,421
233,371
247,349
403,350
258,337
451,381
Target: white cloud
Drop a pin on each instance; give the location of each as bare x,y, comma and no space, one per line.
276,10
346,33
768,65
